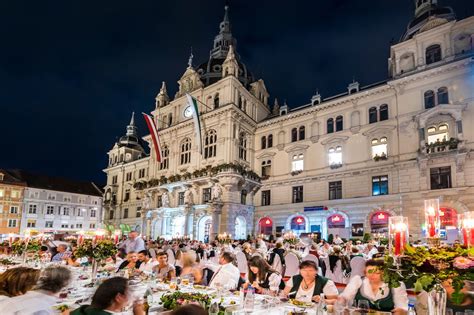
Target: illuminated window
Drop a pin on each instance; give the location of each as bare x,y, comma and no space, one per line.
335,156
438,133
379,148
297,164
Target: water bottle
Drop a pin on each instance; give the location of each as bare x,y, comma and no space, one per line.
214,309
249,299
411,309
322,306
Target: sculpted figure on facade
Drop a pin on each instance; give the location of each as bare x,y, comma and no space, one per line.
188,196
146,202
216,192
165,200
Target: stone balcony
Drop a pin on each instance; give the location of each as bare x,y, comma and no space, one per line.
440,147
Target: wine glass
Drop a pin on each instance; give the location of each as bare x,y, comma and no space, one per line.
363,306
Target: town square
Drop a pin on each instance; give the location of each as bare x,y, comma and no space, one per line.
237,157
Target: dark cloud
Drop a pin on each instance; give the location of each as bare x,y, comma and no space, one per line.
71,72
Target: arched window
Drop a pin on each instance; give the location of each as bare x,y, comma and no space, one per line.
298,224
379,148
438,134
242,146
270,141
266,226
294,135
240,102
185,151
383,112
429,99
433,54
244,106
336,221
335,156
372,115
165,152
266,168
443,95
170,120
301,133
264,142
339,123
297,163
121,158
210,144
379,222
330,125
216,101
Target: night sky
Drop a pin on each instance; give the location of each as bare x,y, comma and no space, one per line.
71,72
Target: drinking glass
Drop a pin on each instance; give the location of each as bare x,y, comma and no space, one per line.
191,281
449,311
363,306
469,312
339,306
173,283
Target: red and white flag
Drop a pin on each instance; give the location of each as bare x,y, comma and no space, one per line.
154,135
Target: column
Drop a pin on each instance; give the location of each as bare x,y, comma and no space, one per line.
187,219
216,220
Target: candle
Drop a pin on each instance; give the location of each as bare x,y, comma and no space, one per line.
432,221
116,236
10,239
398,234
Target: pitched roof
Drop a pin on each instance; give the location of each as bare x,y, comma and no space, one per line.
9,179
55,183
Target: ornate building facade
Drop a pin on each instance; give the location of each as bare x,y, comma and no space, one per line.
341,164
11,205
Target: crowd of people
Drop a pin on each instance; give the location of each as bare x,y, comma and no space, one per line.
320,268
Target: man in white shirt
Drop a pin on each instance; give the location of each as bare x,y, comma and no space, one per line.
371,251
134,243
227,275
41,300
338,240
147,262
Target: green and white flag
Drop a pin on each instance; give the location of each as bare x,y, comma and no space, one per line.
192,102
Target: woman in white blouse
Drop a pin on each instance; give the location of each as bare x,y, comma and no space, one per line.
262,277
372,289
308,285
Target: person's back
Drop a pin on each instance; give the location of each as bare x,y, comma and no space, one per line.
110,298
39,301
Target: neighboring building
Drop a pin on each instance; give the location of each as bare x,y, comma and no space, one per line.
337,164
53,204
11,198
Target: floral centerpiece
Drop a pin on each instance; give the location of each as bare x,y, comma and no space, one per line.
20,247
98,250
172,301
426,268
290,238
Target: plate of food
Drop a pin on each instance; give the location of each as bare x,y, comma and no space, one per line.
299,303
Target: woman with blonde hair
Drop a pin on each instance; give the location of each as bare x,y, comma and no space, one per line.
190,267
17,281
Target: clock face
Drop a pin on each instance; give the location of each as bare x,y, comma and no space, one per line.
188,112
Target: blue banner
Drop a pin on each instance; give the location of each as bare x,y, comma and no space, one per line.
315,208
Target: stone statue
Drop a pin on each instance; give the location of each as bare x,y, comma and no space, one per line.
146,202
188,196
165,200
216,192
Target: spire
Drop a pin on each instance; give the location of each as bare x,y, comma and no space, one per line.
190,60
224,39
276,107
230,66
162,98
225,24
131,128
